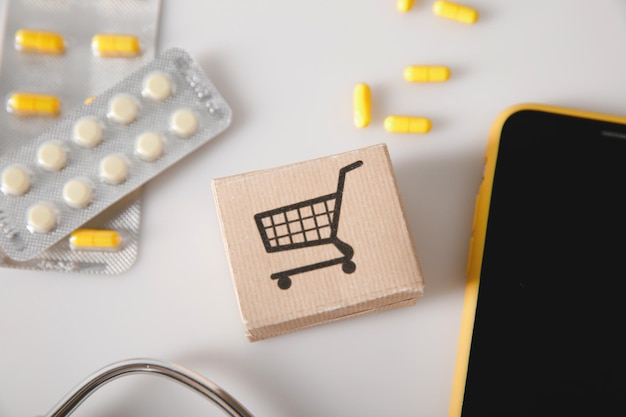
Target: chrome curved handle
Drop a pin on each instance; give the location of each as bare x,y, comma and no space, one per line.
179,374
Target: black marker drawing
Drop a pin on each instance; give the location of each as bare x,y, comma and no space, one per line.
308,223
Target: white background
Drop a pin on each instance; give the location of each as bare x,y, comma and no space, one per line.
288,68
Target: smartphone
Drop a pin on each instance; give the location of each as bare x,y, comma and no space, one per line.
544,321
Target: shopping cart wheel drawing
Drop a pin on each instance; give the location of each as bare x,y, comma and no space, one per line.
283,281
308,223
348,267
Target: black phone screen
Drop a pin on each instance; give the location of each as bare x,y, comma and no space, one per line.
549,335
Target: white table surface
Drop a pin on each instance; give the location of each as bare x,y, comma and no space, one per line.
288,69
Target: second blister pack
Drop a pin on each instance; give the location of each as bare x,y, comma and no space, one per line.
55,55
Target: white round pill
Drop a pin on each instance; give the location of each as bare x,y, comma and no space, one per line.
184,123
123,109
149,146
87,132
41,218
15,180
157,86
77,193
51,156
113,169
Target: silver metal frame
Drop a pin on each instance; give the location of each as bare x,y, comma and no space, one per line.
189,379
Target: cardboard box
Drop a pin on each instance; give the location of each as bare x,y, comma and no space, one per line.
317,241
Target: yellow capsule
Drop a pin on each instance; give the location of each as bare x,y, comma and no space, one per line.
426,73
89,100
113,45
29,104
39,42
407,124
362,105
405,5
95,239
455,11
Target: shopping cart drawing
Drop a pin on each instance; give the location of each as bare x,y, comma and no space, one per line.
308,223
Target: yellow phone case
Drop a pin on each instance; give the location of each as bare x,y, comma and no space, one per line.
477,242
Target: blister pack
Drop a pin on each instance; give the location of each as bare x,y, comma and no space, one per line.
55,54
100,152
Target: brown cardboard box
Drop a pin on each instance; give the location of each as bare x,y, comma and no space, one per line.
317,241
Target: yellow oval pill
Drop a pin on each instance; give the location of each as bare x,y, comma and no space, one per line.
29,104
114,45
405,5
39,42
362,105
455,11
426,73
95,239
407,124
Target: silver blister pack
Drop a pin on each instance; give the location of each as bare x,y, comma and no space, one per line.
72,76
62,179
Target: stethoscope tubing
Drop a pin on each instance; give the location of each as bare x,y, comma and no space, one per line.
186,377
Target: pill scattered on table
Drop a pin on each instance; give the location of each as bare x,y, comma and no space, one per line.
407,124
362,105
426,73
455,11
40,42
405,5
